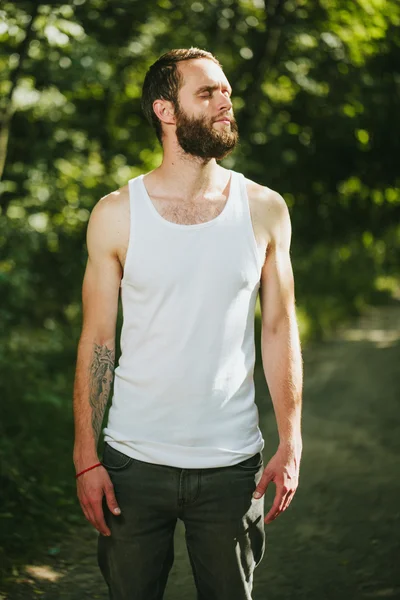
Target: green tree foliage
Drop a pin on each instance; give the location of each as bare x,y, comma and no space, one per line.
316,93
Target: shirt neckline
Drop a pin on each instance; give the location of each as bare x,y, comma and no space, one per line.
194,225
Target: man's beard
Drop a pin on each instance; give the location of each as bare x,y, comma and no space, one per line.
199,137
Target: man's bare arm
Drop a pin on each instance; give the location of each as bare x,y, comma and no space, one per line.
96,348
280,341
93,380
95,359
281,355
101,376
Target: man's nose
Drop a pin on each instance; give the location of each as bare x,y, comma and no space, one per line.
224,102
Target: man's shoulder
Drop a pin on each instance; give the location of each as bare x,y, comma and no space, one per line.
109,219
111,208
268,204
114,199
263,193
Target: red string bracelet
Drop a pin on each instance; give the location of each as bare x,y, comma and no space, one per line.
88,469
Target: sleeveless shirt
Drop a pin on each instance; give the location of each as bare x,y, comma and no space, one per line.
183,389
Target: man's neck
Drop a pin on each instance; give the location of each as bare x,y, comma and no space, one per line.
188,177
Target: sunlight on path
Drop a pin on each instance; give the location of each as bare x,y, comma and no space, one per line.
43,572
380,327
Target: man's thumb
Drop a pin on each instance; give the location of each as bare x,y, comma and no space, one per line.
262,485
112,501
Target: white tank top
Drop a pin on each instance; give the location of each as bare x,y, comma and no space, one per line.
184,388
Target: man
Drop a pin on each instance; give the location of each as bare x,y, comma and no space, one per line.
190,244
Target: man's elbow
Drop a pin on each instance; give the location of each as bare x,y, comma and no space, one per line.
97,336
280,323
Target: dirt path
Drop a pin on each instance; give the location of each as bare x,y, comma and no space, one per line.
339,540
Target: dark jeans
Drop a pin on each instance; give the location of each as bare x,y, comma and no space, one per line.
224,527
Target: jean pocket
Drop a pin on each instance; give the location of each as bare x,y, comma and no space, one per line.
114,459
251,464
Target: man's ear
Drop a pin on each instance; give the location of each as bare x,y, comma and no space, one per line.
164,109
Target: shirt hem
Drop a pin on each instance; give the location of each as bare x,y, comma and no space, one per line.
185,457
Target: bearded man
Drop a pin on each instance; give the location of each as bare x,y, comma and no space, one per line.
190,244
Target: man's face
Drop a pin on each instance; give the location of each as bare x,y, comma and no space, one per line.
204,99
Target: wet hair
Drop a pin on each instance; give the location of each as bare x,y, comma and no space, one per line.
163,81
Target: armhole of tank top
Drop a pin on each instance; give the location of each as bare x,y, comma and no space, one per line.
246,203
130,241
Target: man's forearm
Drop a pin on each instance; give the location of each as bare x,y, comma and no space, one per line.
93,380
283,368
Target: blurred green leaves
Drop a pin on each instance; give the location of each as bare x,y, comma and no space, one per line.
312,84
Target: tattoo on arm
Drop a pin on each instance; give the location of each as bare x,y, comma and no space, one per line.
101,373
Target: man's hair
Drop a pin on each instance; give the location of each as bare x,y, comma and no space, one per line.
163,81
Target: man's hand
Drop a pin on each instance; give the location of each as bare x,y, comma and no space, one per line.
91,487
283,471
